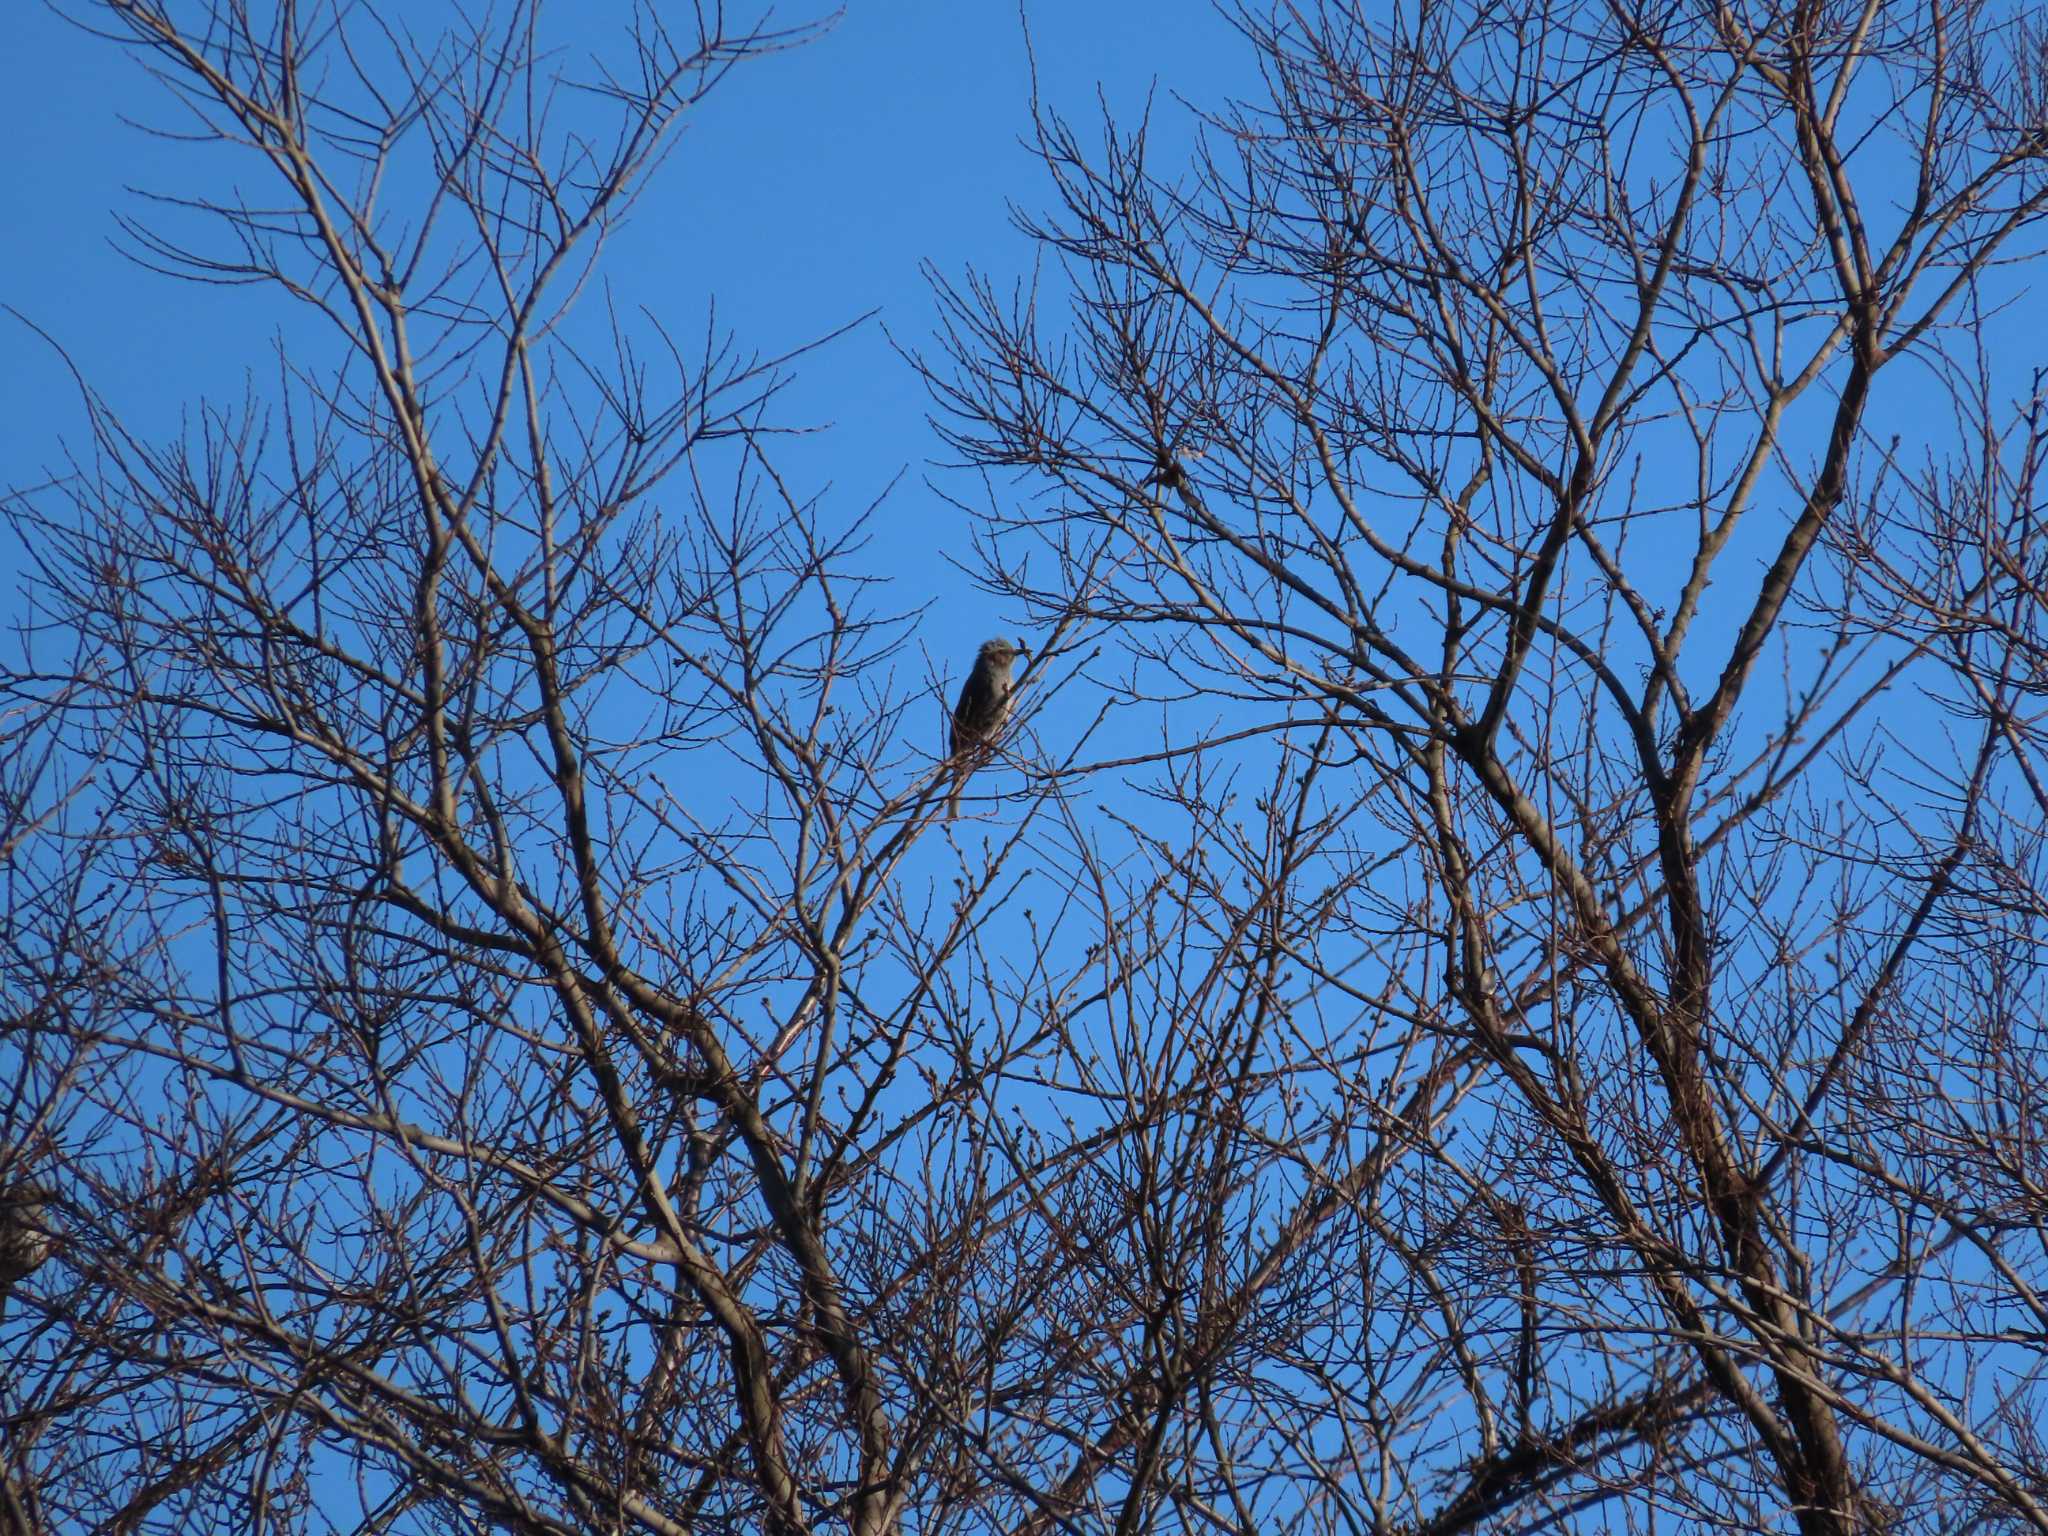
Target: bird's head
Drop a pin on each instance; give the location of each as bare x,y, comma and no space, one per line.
1002,652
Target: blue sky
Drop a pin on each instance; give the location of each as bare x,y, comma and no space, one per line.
804,193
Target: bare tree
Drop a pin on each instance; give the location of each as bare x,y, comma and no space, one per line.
477,1036
1498,988
500,1041
1476,413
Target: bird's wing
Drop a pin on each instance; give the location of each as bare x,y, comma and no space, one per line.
976,711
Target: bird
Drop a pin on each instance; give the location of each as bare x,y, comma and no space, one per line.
24,1233
983,707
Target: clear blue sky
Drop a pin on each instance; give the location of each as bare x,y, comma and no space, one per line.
804,193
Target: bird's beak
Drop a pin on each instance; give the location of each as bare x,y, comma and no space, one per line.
1023,649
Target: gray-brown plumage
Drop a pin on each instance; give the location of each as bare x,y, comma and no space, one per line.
979,715
24,1233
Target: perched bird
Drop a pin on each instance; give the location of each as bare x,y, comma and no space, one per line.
24,1233
984,706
